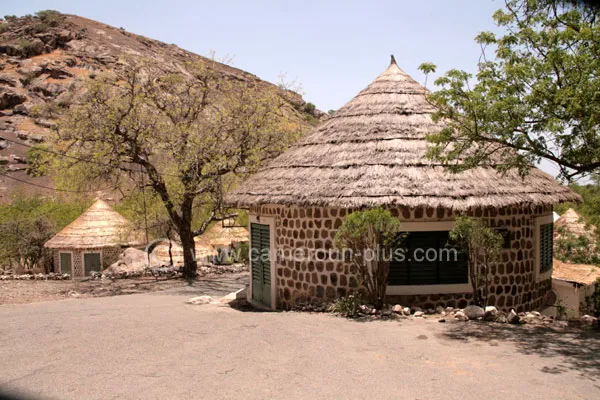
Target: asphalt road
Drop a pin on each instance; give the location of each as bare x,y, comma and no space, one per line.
153,346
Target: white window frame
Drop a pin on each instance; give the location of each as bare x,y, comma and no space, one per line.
401,290
539,221
270,221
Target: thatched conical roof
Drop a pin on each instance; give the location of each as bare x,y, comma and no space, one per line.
99,226
372,152
571,222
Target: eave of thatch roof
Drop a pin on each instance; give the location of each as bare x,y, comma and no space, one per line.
372,152
575,273
99,226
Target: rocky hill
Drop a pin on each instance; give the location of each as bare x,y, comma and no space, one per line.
46,57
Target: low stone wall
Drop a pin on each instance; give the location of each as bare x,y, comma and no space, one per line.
513,283
37,277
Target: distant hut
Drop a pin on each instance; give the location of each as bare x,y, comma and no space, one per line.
224,235
574,283
572,223
372,152
92,241
204,252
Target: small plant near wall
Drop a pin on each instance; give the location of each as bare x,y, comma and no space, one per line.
482,245
347,306
370,236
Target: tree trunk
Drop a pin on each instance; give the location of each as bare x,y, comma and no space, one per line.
189,253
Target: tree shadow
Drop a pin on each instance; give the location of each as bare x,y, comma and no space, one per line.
574,349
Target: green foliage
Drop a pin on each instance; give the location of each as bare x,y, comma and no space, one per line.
538,98
243,253
190,135
39,160
589,209
483,245
309,108
10,18
366,232
50,18
3,27
347,306
26,224
575,249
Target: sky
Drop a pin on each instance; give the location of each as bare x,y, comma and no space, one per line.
332,48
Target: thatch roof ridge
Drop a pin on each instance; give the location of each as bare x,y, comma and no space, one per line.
99,226
372,152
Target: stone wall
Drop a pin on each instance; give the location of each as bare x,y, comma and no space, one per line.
108,256
313,229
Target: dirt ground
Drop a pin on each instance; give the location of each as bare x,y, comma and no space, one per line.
20,292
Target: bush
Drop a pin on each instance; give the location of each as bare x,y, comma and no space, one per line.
347,306
574,249
368,233
38,160
309,108
50,18
26,224
244,253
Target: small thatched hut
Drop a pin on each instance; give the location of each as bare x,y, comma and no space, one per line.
93,241
372,152
220,235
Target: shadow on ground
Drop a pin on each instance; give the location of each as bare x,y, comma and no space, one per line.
574,349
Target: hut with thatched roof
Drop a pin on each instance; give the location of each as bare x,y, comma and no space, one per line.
372,152
92,241
224,234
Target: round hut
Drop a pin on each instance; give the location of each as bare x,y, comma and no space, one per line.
93,241
372,152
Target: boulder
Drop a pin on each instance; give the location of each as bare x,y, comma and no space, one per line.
459,315
419,314
10,98
589,320
406,311
512,317
474,312
131,260
202,300
397,309
440,310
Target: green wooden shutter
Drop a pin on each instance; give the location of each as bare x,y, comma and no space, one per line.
260,242
91,262
66,266
438,271
546,246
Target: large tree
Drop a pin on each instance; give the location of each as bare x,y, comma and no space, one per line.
183,135
537,98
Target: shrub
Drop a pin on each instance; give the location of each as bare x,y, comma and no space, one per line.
347,306
366,233
38,160
309,108
576,249
50,18
482,244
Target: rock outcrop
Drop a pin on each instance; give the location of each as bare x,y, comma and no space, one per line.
46,57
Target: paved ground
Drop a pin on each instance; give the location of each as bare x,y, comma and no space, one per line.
153,346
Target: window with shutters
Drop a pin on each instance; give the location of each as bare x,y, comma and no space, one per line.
424,263
546,243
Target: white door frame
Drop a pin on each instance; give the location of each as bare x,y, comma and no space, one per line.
270,221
